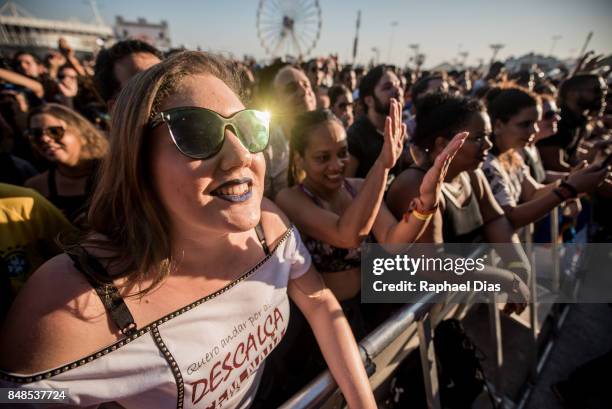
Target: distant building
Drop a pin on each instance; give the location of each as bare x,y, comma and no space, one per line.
152,33
21,30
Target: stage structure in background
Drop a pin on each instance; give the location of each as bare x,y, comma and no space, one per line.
156,34
21,30
288,28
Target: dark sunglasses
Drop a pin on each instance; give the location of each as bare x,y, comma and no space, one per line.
548,115
54,132
199,132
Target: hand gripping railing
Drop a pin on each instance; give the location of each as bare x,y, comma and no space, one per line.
323,386
319,390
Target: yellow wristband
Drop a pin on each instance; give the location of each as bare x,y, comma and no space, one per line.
421,216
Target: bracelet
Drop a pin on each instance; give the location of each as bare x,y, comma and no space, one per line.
420,214
570,188
560,195
417,215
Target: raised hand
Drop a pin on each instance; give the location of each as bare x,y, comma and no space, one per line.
431,186
585,178
394,136
64,47
68,90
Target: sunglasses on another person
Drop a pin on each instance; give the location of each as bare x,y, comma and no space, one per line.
199,133
54,132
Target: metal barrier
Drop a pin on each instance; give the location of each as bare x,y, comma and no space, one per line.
319,390
323,386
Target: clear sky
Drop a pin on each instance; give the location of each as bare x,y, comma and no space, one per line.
442,28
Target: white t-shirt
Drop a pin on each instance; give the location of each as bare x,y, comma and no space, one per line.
506,185
208,354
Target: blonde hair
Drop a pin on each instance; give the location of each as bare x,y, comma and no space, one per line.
95,144
139,234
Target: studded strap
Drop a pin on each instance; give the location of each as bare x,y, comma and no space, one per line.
109,294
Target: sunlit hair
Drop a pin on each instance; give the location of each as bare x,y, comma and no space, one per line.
503,103
94,143
126,215
302,130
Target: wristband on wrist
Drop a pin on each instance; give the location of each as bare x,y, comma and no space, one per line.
416,209
560,195
417,215
572,190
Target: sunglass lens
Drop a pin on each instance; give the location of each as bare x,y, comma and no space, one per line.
56,132
253,129
197,133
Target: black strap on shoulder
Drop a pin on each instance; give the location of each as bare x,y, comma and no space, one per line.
262,238
108,293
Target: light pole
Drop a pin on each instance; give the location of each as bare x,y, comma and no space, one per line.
393,25
495,48
464,56
376,51
415,50
555,38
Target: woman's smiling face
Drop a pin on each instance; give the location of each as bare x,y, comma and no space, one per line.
222,193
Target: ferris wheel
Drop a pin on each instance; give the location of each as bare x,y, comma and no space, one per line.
288,27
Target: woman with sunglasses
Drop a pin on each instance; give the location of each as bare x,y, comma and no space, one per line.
341,104
190,266
74,147
467,211
515,113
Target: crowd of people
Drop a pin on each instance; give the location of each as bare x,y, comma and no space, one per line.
163,215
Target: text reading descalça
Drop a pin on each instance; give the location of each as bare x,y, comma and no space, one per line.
412,265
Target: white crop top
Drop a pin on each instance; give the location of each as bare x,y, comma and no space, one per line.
206,355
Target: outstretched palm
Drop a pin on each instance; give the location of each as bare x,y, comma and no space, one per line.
394,136
431,185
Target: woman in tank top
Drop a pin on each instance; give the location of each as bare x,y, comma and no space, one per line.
74,147
336,214
180,290
468,211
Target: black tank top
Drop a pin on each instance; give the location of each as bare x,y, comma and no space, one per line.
71,206
462,224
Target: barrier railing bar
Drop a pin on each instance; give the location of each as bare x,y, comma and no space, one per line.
533,306
323,386
428,362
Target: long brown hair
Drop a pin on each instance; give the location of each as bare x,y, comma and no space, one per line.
503,103
95,144
125,208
